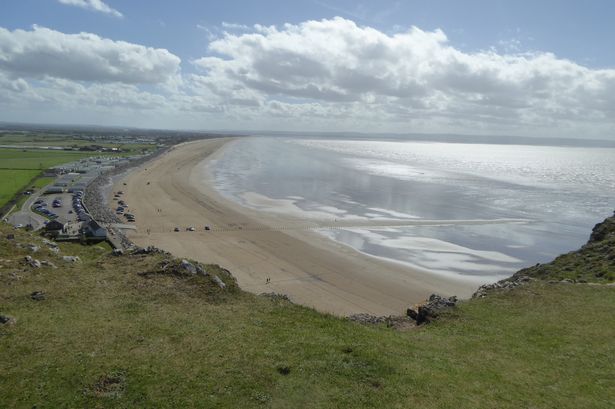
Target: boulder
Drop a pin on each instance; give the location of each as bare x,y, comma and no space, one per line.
201,271
219,282
187,267
71,259
431,309
32,262
33,248
48,264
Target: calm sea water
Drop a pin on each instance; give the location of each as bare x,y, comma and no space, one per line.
561,192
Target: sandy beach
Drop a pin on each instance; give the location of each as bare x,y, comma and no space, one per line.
174,191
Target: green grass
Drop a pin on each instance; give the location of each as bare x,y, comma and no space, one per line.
38,159
181,342
594,262
13,181
42,182
18,167
66,141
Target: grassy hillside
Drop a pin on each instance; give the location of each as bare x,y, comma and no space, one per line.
594,262
107,336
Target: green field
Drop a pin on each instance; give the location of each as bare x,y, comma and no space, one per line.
13,181
108,337
66,141
19,166
38,159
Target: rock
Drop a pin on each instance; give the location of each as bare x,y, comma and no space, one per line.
71,259
6,320
603,230
391,321
506,284
32,262
33,248
147,250
117,252
37,296
187,267
48,264
52,246
567,281
201,271
364,318
219,282
431,309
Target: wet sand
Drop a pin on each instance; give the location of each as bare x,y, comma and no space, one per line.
173,191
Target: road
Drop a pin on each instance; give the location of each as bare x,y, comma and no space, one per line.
25,216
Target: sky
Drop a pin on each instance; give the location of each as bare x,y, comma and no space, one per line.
530,68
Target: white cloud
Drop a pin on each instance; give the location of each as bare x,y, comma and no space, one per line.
406,76
235,26
84,56
317,75
94,5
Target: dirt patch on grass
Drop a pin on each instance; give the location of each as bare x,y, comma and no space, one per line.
111,385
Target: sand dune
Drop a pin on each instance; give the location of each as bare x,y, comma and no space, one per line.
254,246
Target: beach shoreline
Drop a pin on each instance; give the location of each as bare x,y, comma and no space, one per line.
176,190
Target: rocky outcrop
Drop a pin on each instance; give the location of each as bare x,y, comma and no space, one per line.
594,262
506,284
603,231
391,321
136,251
431,309
364,318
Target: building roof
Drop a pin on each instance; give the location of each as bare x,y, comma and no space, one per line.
54,225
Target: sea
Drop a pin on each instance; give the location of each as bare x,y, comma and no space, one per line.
475,211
